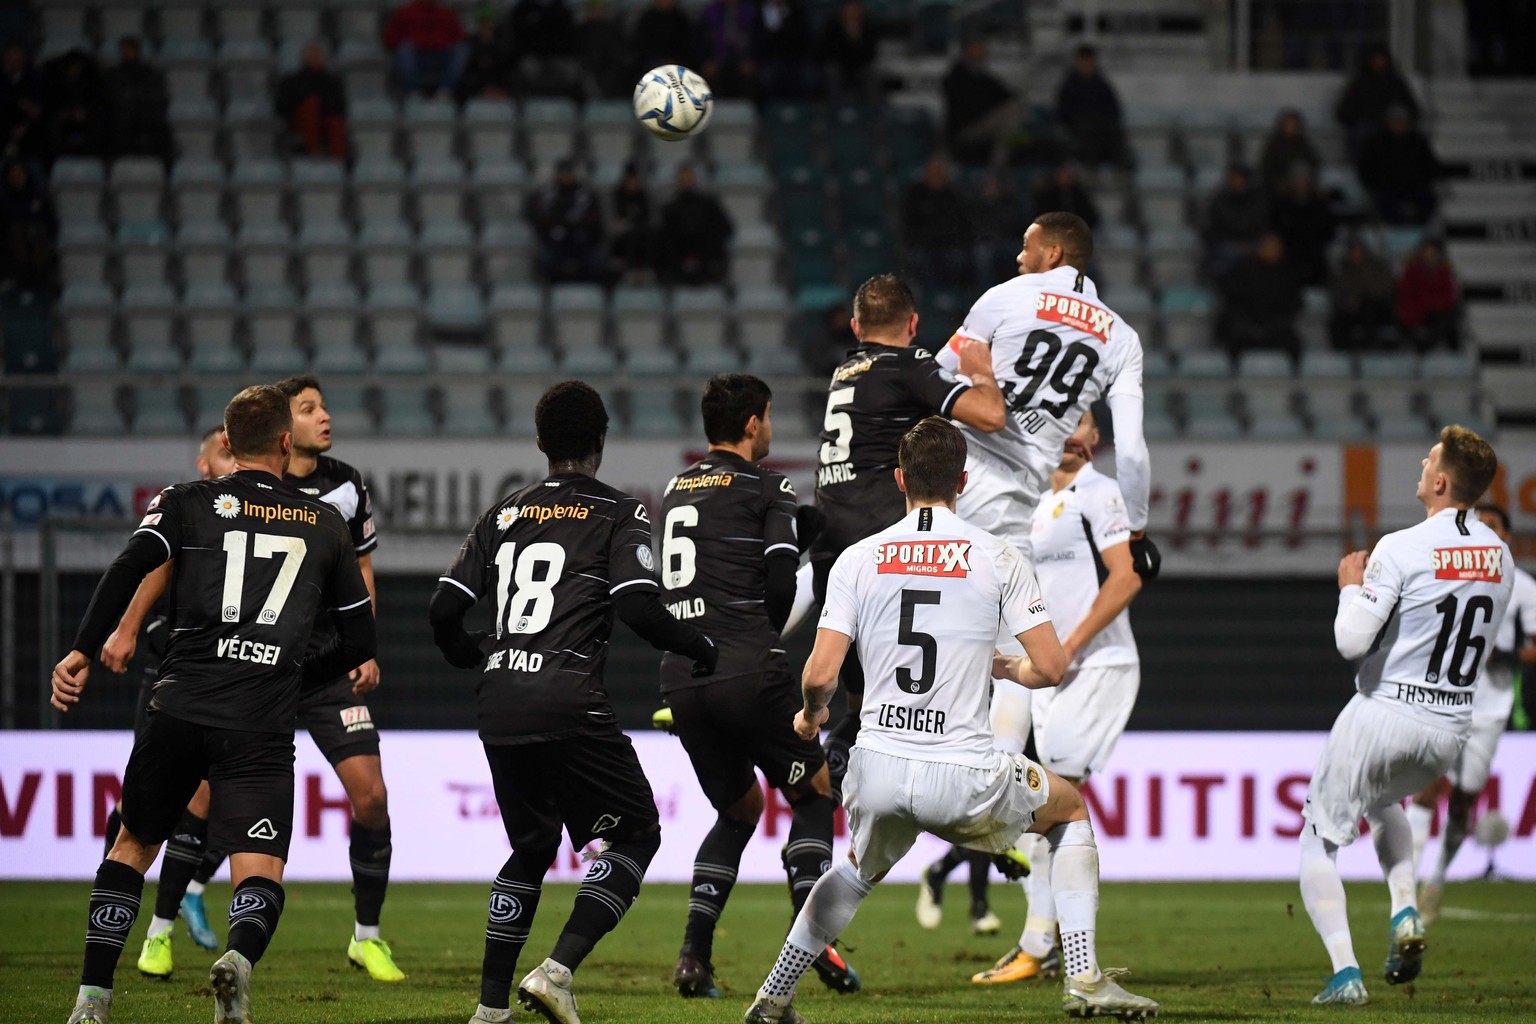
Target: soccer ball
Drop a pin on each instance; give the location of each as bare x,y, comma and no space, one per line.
673,102
1491,830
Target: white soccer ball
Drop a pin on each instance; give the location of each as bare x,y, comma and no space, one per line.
673,102
1491,830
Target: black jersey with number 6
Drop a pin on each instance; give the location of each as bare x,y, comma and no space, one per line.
721,517
555,555
878,394
256,564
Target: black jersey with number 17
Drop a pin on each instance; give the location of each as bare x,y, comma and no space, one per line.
721,517
554,556
256,564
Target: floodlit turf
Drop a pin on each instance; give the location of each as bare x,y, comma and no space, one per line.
1217,952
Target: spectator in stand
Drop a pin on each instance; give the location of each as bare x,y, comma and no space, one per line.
21,105
1259,301
605,50
999,223
544,48
428,40
1362,294
1301,216
1090,114
664,34
28,230
1285,149
1428,300
981,114
312,101
488,68
567,219
1399,169
730,46
787,71
1235,219
1368,97
137,92
848,50
698,229
1063,192
631,251
936,230
78,119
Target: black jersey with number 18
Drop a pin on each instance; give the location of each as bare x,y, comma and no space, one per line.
555,555
256,564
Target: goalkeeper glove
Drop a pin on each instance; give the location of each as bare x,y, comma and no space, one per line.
1146,558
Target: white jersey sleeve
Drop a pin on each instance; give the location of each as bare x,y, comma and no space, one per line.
840,611
1520,620
1133,462
1103,508
1023,605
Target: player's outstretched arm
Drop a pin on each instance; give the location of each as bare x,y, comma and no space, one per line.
818,682
1133,463
119,648
982,405
642,611
1043,664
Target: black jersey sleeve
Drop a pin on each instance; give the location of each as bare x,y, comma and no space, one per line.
347,590
361,526
779,529
356,641
467,573
156,541
933,385
631,562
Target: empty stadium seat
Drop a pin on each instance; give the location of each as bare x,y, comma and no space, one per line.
549,127
517,329
97,409
732,130
743,190
371,120
83,251
273,329
640,328
578,319
430,126
455,308
257,186
332,314
394,323
610,129
384,249
652,414
158,410
136,184
208,317
86,319
148,312
197,191
468,410
406,412
349,408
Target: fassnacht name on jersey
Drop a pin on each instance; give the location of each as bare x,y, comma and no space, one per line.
1084,316
697,483
924,558
1484,565
1410,694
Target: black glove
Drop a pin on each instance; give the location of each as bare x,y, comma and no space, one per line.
809,522
1147,560
705,659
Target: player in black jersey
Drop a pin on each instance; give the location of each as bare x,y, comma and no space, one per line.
881,390
255,565
336,716
560,558
728,561
188,864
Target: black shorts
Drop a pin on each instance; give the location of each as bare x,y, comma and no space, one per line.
146,694
735,725
250,775
591,784
339,721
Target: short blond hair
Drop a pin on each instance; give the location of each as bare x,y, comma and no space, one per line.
1469,461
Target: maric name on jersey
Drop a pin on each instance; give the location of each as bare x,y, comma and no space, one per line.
689,609
894,716
1064,309
837,473
249,650
280,513
924,558
694,483
1482,564
515,661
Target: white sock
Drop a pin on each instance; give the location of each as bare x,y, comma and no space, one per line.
491,1013
827,911
92,990
364,932
1322,892
1420,819
1039,936
159,926
195,888
1075,887
1393,838
557,970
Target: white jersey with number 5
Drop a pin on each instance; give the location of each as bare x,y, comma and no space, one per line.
1056,349
1440,590
927,600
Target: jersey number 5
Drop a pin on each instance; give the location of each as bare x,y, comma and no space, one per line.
526,608
839,425
925,642
266,545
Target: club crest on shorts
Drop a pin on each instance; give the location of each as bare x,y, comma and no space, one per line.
113,917
504,908
263,829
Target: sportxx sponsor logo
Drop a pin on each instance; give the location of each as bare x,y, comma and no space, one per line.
280,513
1084,316
504,908
113,917
925,558
1485,565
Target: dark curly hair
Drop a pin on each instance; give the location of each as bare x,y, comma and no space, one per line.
571,421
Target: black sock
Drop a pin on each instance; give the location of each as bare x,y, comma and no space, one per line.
714,873
208,866
610,889
183,853
945,865
981,871
114,908
808,854
839,742
253,914
114,826
514,900
370,853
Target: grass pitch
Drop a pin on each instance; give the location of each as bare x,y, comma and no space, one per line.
1211,952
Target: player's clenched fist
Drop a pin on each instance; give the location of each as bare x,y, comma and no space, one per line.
808,727
69,678
1352,569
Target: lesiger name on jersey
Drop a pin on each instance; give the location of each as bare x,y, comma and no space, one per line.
925,558
1483,564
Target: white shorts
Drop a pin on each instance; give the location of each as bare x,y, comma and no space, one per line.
1000,499
1492,702
891,800
1375,756
1078,723
1010,712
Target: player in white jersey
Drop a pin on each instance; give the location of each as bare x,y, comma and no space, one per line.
1491,704
927,599
1418,617
1081,549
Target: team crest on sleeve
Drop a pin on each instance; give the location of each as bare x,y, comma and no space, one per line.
227,506
924,558
1483,565
1373,571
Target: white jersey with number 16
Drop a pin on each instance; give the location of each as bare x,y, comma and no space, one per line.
927,600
